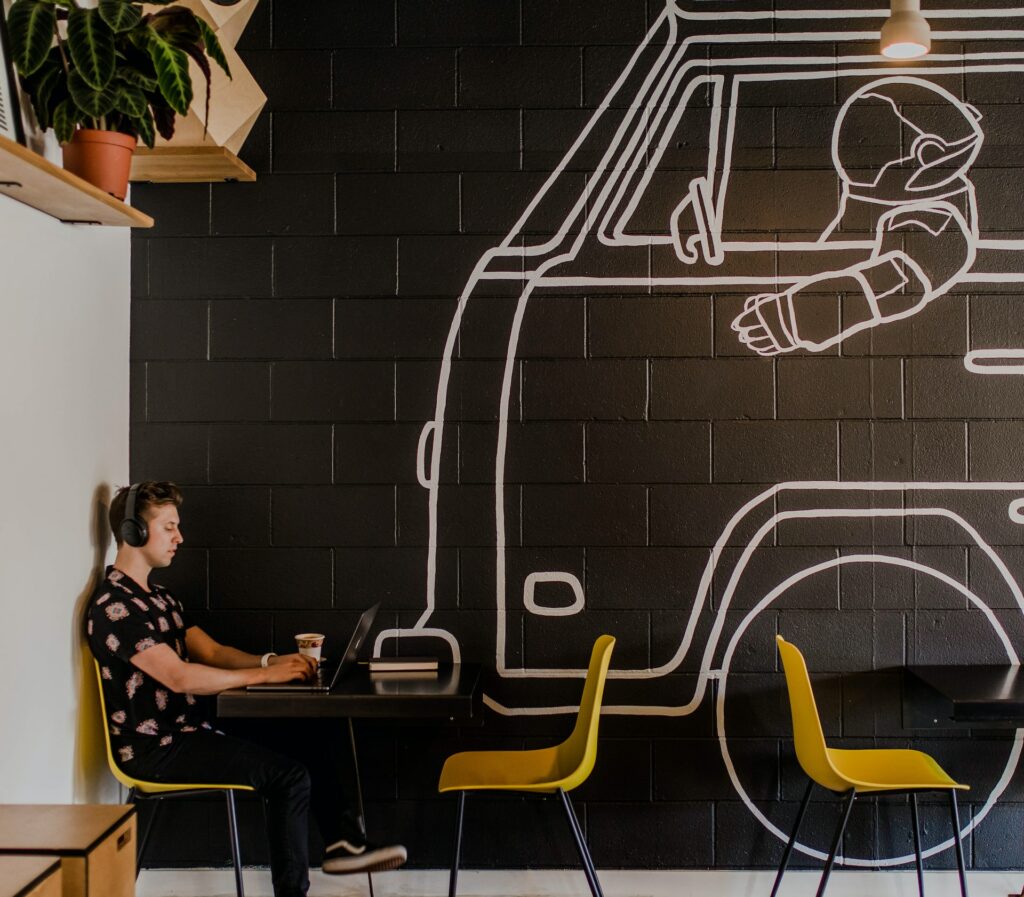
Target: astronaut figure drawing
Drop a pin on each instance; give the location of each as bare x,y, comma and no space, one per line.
924,213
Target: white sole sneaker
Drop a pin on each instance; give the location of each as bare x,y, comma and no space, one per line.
372,859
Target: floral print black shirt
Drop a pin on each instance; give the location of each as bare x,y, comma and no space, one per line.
122,620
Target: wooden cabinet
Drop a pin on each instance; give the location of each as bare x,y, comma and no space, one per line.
30,876
95,844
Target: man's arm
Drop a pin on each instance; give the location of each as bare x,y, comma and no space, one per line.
206,650
164,665
203,649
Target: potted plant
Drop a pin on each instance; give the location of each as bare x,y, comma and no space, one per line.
106,77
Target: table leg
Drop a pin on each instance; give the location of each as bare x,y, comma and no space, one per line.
359,791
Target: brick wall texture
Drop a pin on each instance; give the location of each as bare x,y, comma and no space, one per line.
406,247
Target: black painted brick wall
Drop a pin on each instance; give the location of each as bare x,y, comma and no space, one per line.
286,344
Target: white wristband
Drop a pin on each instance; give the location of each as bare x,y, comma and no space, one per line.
265,659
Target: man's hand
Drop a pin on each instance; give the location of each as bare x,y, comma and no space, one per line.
291,667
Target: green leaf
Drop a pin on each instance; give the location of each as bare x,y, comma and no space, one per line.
197,55
172,73
120,15
31,24
91,44
144,128
64,121
131,101
94,103
163,118
44,91
212,46
135,78
178,24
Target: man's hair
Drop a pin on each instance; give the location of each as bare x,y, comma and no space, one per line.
151,494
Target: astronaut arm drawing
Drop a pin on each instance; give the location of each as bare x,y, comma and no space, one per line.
874,292
890,285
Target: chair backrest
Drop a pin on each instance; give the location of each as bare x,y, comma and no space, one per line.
808,738
125,780
577,754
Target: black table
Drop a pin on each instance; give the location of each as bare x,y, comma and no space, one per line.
982,696
962,696
453,694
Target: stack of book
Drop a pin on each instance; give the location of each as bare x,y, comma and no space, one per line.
399,667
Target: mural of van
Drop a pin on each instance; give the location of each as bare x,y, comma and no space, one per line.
656,196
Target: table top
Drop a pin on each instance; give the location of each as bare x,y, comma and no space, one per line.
982,693
453,693
64,829
19,875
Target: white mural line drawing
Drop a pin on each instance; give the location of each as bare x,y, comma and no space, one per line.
980,361
707,671
916,189
992,797
430,444
543,610
926,192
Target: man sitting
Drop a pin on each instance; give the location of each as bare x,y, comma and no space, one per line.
153,661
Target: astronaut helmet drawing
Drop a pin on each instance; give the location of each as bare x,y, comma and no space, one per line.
923,188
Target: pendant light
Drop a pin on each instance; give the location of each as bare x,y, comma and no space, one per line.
906,33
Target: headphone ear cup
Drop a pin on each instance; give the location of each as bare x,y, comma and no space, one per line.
134,532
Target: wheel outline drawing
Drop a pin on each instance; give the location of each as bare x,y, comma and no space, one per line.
835,563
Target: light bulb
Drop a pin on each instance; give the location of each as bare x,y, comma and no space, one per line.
906,33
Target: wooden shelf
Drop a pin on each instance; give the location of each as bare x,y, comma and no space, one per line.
37,182
189,165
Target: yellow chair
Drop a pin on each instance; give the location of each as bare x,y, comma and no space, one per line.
547,770
853,772
141,790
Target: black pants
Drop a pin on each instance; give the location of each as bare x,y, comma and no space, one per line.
295,767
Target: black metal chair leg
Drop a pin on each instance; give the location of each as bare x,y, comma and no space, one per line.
955,815
236,851
917,845
835,843
144,840
581,846
359,791
792,838
458,844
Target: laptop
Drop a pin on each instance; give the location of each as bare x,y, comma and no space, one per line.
345,662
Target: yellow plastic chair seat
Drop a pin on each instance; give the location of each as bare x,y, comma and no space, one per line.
164,788
140,785
890,770
535,770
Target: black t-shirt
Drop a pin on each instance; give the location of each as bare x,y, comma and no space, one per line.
122,620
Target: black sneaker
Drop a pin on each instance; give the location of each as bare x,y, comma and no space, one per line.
354,856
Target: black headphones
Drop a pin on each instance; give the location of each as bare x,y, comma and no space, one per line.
133,530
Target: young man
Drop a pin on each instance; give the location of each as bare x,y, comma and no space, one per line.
153,661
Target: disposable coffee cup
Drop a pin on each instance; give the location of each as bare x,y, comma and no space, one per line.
310,644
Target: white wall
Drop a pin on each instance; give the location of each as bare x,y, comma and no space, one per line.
64,305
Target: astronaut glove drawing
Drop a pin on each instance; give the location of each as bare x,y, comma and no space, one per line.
925,215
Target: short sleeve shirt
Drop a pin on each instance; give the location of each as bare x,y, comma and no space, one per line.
122,620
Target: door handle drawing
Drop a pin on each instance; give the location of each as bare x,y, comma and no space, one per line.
421,454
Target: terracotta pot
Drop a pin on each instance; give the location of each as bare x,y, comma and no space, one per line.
103,158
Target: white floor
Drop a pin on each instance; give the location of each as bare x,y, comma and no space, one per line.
571,883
